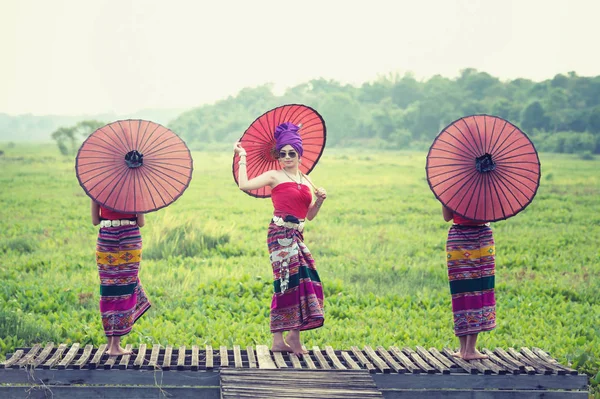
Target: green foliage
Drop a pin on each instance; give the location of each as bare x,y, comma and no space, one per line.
18,329
17,244
400,112
378,242
171,237
587,156
68,139
567,142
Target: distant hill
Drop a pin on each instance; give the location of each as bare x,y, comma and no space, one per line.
39,127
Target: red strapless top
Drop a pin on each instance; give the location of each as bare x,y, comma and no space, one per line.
288,199
464,221
112,215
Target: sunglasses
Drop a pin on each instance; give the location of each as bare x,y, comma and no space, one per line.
283,154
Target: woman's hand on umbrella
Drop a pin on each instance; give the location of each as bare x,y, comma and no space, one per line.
238,149
321,194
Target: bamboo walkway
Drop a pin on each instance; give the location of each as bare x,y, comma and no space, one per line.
394,372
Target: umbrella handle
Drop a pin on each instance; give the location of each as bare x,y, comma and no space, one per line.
309,182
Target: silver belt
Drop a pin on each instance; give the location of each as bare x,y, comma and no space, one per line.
295,226
472,225
117,223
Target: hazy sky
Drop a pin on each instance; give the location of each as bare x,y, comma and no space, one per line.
95,56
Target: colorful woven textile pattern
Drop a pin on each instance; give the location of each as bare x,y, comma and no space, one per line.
122,298
471,261
298,295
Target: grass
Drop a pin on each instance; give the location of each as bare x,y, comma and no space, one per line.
378,242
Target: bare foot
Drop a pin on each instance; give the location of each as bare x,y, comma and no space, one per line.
458,355
118,352
298,350
474,356
293,339
281,347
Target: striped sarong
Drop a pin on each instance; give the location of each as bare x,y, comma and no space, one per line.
297,302
471,258
122,298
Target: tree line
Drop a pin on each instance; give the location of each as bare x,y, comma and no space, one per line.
395,111
561,114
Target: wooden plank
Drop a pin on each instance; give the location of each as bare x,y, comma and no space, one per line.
468,367
28,357
482,368
258,391
237,356
251,357
363,360
461,380
109,377
152,364
110,392
110,362
390,360
429,358
43,355
336,362
462,393
321,359
535,358
264,357
405,361
56,357
181,358
223,357
509,359
194,362
235,389
494,367
293,384
549,359
279,361
418,360
141,356
441,358
125,358
349,361
377,361
537,367
295,361
13,359
97,357
166,365
209,357
505,365
195,378
69,356
308,360
87,351
455,368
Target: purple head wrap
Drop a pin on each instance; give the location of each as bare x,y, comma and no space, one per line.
287,133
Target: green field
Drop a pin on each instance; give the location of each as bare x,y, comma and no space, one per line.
379,244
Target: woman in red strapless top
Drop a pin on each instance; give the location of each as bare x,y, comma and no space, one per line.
118,256
297,302
470,253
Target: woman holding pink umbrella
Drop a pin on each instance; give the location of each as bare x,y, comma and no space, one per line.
297,303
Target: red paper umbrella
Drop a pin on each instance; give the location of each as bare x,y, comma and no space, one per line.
259,143
483,168
134,166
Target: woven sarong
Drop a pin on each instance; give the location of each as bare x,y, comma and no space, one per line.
471,256
122,298
298,295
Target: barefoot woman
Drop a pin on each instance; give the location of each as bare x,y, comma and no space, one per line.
118,254
471,260
297,303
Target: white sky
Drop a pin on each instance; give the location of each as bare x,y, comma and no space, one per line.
95,56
